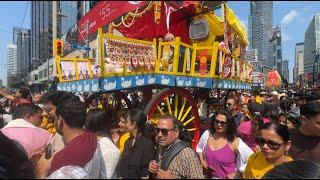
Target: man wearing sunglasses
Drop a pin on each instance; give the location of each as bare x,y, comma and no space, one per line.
176,159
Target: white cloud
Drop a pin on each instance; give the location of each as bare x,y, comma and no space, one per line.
289,17
285,37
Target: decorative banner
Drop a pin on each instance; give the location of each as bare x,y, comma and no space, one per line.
220,62
125,55
227,65
68,70
238,69
233,72
102,14
203,58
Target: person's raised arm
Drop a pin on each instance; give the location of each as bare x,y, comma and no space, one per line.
6,94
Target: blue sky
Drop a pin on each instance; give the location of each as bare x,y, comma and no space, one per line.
11,14
293,16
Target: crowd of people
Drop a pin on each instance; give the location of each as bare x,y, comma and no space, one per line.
65,135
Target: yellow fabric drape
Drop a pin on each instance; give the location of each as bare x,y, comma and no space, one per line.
236,25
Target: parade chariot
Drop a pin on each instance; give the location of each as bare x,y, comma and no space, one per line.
159,54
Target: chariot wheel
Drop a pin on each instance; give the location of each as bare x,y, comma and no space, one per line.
179,103
114,103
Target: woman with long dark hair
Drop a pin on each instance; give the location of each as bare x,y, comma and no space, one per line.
138,149
220,150
98,122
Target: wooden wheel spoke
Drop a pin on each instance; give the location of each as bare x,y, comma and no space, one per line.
182,108
191,129
189,120
185,115
176,107
160,110
168,105
154,120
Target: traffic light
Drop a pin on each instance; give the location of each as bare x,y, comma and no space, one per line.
59,47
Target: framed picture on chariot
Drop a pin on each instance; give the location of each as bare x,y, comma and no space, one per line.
83,69
67,70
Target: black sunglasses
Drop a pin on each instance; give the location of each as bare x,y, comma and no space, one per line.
164,132
222,123
272,145
228,104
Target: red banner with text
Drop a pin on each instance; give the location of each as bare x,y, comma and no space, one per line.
102,14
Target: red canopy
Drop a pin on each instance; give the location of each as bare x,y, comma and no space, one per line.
145,27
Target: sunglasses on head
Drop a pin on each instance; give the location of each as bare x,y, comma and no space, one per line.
272,145
164,132
222,123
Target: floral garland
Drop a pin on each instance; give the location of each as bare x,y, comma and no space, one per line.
45,124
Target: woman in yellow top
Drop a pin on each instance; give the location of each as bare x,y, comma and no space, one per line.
274,143
121,135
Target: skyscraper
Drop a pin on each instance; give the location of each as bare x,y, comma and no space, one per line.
251,55
84,7
285,69
311,44
12,60
17,33
42,29
298,63
41,32
260,29
67,13
276,61
24,52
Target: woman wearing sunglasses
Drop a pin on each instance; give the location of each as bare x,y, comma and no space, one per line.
274,143
222,153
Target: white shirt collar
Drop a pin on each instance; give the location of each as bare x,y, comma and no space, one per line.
19,123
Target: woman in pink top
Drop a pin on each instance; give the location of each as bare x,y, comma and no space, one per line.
248,130
219,155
